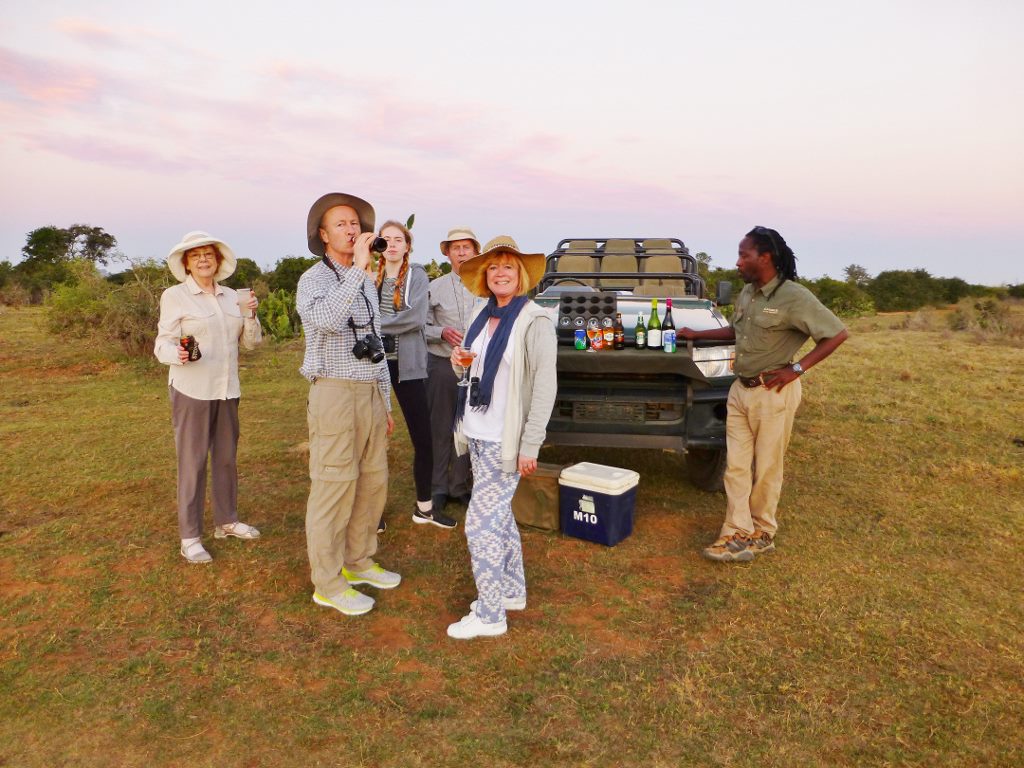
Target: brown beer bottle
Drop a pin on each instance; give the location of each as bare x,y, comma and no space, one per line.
620,332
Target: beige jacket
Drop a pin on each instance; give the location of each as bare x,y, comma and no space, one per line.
532,388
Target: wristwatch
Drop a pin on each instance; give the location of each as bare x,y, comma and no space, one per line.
798,369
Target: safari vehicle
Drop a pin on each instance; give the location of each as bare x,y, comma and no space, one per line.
638,398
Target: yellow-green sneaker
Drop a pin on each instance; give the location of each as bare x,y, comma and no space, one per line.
350,602
375,576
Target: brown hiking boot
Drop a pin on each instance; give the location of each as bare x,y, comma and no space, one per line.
761,543
730,549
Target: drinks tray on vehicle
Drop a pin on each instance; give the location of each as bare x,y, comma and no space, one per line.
575,309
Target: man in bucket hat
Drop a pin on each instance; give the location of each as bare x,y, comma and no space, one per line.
349,406
449,307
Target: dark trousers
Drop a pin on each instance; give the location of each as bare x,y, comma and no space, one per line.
204,427
451,472
412,399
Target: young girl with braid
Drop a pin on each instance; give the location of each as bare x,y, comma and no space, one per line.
402,289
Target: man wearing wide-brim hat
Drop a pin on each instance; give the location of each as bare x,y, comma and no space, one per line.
448,309
349,406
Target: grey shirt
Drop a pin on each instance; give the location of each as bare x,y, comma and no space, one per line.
449,304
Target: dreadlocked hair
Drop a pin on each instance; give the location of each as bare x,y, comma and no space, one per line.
770,241
403,271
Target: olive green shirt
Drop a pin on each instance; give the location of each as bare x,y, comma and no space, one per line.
774,321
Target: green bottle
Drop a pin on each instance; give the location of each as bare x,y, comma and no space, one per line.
640,334
654,327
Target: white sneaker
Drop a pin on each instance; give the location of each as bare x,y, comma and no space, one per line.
350,602
238,530
471,626
375,576
195,552
509,603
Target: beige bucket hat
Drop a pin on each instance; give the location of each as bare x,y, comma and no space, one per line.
534,263
324,204
176,263
459,233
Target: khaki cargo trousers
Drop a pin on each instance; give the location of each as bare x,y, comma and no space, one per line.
348,470
757,431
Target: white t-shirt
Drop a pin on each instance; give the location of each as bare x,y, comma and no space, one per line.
488,425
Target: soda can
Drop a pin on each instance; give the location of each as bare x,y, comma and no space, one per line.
668,340
581,338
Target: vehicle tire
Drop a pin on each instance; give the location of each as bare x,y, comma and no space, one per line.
706,468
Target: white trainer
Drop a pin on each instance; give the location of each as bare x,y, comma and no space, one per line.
195,552
471,626
509,604
238,530
350,602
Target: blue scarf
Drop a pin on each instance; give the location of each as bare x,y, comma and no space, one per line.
495,350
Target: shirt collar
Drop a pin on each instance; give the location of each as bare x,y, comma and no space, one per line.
195,290
769,288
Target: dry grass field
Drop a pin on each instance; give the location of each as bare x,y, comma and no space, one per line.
888,629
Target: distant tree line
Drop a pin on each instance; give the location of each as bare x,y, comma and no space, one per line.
898,290
61,268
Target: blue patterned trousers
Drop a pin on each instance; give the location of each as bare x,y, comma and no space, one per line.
495,549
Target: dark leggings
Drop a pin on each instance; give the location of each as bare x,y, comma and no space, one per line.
412,399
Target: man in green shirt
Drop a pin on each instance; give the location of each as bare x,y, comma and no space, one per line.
774,316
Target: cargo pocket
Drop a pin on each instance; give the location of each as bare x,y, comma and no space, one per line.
331,435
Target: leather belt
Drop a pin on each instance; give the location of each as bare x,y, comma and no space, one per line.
750,383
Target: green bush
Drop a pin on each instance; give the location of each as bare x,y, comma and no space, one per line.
844,298
90,307
278,315
988,317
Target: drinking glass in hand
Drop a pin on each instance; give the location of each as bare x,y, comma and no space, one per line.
464,357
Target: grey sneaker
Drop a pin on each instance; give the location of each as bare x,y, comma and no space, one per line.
509,603
762,543
350,602
238,530
730,549
375,576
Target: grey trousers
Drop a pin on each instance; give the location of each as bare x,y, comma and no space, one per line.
201,428
451,472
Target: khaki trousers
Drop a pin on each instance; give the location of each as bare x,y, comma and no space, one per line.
348,469
757,432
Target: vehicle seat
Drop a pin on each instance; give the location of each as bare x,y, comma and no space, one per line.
619,256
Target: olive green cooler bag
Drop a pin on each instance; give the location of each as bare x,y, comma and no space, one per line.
535,503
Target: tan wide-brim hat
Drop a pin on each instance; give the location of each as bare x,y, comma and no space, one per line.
176,258
459,233
534,263
362,208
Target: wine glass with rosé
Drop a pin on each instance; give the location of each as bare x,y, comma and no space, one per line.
464,357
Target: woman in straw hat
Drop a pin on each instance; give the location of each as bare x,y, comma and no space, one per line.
402,292
204,387
503,417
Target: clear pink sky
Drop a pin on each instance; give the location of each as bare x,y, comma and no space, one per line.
886,134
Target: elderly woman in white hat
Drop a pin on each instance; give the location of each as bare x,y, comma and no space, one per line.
204,388
503,417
